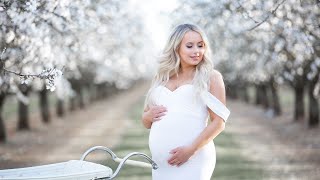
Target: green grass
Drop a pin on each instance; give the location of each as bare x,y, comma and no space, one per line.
230,164
10,108
134,140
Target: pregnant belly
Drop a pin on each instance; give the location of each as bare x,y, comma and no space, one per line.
172,131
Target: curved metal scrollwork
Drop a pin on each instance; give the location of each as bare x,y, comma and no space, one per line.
123,161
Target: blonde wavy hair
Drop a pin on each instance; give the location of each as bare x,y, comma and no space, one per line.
169,61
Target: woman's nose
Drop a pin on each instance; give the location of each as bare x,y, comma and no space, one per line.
197,51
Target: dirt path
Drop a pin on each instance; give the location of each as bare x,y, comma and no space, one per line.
286,150
101,123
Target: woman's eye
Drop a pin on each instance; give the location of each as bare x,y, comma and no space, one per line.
200,46
189,46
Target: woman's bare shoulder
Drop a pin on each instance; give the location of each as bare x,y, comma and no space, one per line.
216,78
217,87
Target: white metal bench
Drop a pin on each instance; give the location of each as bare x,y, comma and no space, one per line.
76,169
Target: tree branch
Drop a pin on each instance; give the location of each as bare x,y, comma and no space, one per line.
271,13
246,12
20,74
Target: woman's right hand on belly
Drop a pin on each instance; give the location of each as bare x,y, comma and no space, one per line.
155,113
152,114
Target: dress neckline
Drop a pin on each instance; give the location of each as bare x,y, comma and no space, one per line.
181,86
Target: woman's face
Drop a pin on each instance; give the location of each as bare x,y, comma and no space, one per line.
191,49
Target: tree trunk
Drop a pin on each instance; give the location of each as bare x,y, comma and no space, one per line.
313,105
44,105
258,100
265,99
80,96
3,136
245,93
93,93
231,90
23,121
60,108
299,103
262,96
72,103
275,98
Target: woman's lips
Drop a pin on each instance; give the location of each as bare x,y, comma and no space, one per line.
195,57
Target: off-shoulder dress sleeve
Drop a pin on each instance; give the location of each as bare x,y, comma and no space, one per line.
215,105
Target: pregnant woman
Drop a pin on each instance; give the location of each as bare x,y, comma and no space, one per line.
185,91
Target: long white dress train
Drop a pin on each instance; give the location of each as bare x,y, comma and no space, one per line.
185,119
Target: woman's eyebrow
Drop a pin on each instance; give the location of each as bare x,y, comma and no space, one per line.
192,42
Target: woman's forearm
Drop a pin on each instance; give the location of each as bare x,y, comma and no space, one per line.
146,121
208,134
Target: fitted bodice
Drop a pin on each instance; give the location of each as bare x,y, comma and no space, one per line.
181,101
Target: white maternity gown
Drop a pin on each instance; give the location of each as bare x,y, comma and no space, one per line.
185,119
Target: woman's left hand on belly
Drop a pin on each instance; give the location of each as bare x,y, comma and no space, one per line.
180,155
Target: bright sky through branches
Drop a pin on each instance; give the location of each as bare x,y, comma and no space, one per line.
156,19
